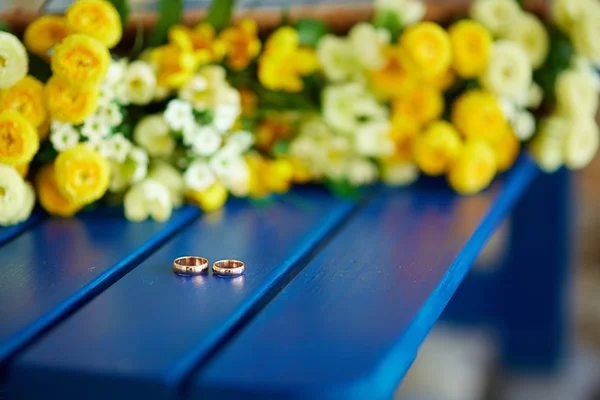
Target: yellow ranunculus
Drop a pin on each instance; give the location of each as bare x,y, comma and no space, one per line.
82,174
477,115
427,49
67,103
507,149
393,79
18,139
437,148
403,133
22,169
241,43
81,60
249,102
272,129
442,81
423,104
471,45
13,60
174,65
44,129
201,41
284,62
44,33
302,173
279,175
258,167
210,199
49,195
26,97
474,168
96,18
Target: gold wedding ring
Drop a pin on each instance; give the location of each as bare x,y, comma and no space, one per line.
229,268
190,265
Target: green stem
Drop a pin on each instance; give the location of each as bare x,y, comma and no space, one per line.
219,13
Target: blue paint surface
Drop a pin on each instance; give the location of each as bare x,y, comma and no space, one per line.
10,232
145,334
350,324
52,268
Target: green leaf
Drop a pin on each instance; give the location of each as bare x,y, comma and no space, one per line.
219,14
39,68
281,148
169,15
389,21
310,31
4,27
123,9
342,188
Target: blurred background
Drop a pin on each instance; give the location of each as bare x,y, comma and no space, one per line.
459,361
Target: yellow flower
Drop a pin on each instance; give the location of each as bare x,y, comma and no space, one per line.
82,174
96,18
249,102
272,129
174,65
81,60
201,41
403,133
477,115
22,169
507,149
279,175
242,44
44,33
442,81
283,62
26,97
474,168
301,171
210,199
393,79
427,49
471,45
437,148
18,139
67,103
258,167
49,195
13,60
422,104
44,129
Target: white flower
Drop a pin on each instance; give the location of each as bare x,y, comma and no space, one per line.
399,173
139,83
566,12
161,93
64,137
547,146
111,113
153,134
337,58
535,96
584,66
344,106
14,60
139,159
13,196
179,114
169,176
199,176
523,125
586,32
131,171
368,44
95,128
497,16
111,87
27,205
529,33
372,139
576,94
407,11
148,199
117,147
581,143
233,172
225,116
508,108
361,172
240,141
203,140
509,71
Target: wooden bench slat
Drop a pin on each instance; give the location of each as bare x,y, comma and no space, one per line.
55,266
350,324
147,332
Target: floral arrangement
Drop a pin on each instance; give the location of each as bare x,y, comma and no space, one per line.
201,113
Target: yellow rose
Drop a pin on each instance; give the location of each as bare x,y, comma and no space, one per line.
82,174
81,60
507,149
18,139
477,115
242,44
44,33
67,103
471,45
427,49
423,104
437,148
27,98
13,60
96,18
393,79
474,168
49,195
210,199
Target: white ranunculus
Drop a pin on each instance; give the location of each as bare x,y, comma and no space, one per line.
153,134
586,31
497,16
408,12
344,106
165,173
148,198
63,136
235,175
224,117
199,176
576,94
529,33
132,170
13,196
535,96
523,125
547,147
27,205
240,141
581,143
566,12
337,58
139,82
508,108
14,62
400,173
203,140
509,71
361,171
372,139
368,45
179,114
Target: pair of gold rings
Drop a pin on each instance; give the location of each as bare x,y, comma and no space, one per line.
192,265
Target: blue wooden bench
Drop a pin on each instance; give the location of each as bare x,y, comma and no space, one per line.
336,299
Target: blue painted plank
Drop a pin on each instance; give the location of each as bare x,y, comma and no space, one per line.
54,267
350,324
146,333
11,232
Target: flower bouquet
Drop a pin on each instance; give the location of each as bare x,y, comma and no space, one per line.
196,114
